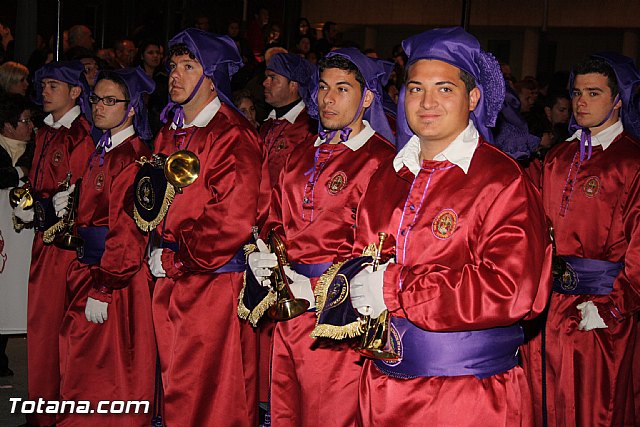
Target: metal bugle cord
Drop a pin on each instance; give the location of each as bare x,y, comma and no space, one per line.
287,306
376,343
66,239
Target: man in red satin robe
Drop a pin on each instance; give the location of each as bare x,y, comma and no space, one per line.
63,145
208,357
591,194
287,88
107,330
313,210
472,257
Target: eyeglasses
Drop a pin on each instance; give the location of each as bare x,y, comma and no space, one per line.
109,101
25,121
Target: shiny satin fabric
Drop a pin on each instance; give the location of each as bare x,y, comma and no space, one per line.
281,137
114,360
57,152
589,379
314,382
208,357
472,253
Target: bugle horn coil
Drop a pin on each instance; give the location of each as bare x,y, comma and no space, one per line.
287,306
376,342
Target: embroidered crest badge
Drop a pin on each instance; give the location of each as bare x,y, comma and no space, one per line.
591,186
444,224
281,144
569,279
395,342
56,157
337,183
99,181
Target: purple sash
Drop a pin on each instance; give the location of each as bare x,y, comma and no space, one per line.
311,270
236,264
586,276
423,353
94,242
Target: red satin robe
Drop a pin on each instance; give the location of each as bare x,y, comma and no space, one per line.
589,373
315,382
57,152
280,138
472,253
208,356
115,360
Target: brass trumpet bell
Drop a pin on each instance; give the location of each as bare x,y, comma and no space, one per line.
286,306
376,341
16,194
182,168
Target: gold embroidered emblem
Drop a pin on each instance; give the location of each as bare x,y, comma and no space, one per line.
591,186
337,183
56,158
444,224
99,181
144,193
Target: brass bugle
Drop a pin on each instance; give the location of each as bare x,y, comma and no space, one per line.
18,193
66,239
376,342
287,306
181,169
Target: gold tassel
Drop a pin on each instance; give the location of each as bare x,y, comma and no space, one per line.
261,309
334,332
144,225
243,311
51,232
322,286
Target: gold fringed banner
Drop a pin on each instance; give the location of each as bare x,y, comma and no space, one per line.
149,225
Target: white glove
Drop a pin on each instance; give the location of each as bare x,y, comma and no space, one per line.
300,286
590,317
155,263
61,200
24,215
96,311
261,262
367,291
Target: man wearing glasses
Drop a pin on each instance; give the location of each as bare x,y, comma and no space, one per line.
63,146
108,283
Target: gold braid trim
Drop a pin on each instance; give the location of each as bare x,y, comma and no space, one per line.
256,314
334,332
144,225
51,232
261,309
243,311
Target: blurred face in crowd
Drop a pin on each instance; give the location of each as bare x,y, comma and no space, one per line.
21,86
185,73
202,23
437,104
592,100
339,96
279,90
152,56
527,99
125,53
559,112
23,130
233,30
304,27
90,70
247,108
304,45
58,97
110,116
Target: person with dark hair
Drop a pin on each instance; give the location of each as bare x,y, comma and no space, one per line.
124,52
470,247
591,194
329,33
313,211
208,357
243,101
80,43
16,154
63,146
108,285
257,33
7,43
151,60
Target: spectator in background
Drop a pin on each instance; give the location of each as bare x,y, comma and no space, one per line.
329,32
243,100
303,46
124,52
6,50
257,33
80,42
527,90
39,54
91,68
305,29
150,56
274,38
202,23
14,78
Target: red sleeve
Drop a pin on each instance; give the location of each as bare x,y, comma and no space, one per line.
509,280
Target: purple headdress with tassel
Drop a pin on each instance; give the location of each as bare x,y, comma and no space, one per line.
71,72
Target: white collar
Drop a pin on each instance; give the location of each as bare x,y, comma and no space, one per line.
291,115
604,137
459,151
66,120
204,117
354,142
120,137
